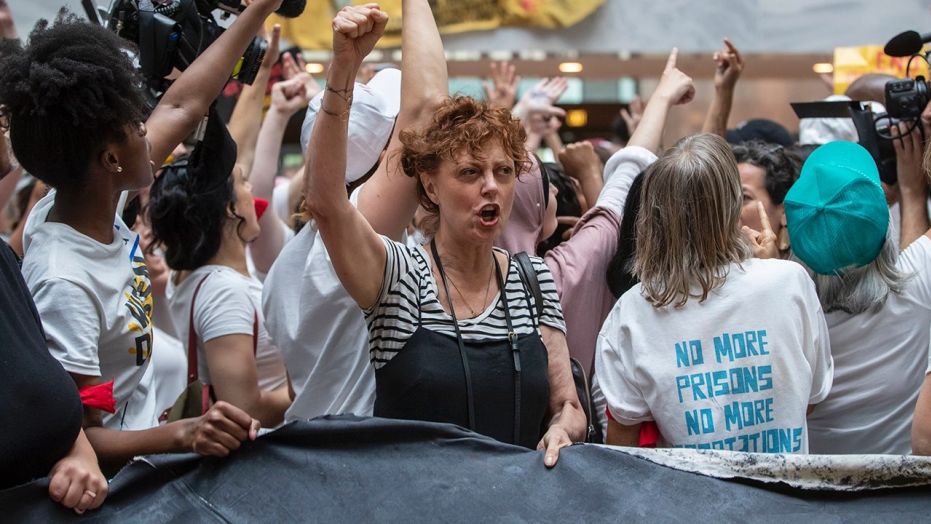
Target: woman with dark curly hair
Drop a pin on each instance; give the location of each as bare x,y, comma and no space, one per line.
453,336
202,213
75,109
767,172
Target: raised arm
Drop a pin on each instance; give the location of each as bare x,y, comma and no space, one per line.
675,87
186,102
247,114
357,252
580,162
913,186
728,66
388,200
288,97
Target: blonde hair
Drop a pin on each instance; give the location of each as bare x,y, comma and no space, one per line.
688,229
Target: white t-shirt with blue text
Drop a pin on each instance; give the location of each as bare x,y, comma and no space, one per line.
735,372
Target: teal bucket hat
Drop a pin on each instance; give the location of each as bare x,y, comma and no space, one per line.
836,211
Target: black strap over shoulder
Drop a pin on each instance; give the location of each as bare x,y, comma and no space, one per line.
528,276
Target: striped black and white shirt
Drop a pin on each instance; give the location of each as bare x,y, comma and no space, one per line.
409,285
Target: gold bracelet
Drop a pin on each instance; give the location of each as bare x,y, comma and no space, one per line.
345,94
344,116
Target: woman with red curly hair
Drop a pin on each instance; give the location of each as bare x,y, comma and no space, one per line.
453,335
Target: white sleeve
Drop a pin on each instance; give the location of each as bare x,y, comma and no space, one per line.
620,171
280,198
818,352
599,404
71,320
614,367
916,262
223,307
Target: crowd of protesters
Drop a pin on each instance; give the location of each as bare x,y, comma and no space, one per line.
166,289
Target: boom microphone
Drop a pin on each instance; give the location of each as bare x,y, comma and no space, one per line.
905,44
291,8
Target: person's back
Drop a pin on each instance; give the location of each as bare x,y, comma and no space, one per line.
320,330
876,299
880,360
734,372
720,350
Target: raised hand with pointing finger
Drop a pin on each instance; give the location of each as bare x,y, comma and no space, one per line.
675,86
728,64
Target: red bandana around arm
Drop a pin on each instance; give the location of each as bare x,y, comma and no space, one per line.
99,396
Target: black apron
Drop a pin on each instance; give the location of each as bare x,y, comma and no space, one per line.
498,388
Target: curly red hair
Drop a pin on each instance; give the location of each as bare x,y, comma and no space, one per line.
461,124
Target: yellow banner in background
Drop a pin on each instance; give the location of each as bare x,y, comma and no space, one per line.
312,30
851,63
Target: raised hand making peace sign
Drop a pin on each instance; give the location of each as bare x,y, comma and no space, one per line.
762,243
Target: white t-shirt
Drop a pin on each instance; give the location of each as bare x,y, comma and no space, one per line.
320,330
880,359
169,364
95,301
227,304
735,372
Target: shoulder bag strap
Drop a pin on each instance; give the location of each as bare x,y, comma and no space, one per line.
515,349
192,372
529,277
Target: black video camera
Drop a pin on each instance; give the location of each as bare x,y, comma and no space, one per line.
172,33
906,98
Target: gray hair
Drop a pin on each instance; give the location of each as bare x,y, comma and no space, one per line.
860,289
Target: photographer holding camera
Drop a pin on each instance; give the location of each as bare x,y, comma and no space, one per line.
74,105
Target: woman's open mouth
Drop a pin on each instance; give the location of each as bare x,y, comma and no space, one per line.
489,214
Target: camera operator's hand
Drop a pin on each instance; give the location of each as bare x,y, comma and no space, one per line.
909,153
290,96
728,64
675,87
912,183
356,30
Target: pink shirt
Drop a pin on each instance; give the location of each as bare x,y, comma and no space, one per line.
580,264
